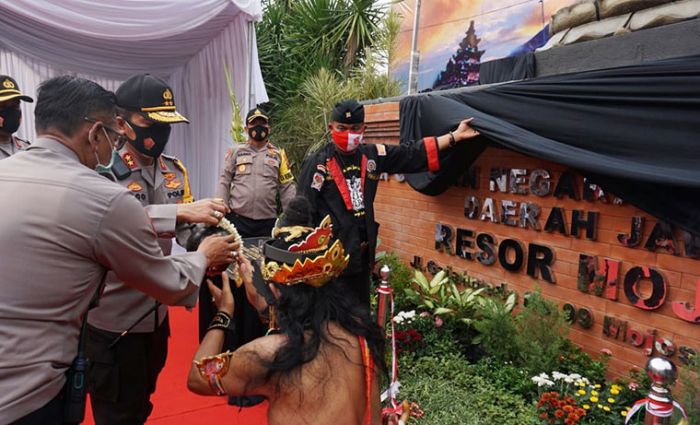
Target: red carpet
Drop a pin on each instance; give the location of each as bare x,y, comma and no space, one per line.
173,403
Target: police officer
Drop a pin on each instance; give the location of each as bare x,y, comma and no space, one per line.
64,226
255,174
10,116
341,180
123,375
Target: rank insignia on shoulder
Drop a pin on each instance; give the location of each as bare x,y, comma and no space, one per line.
129,159
371,166
381,149
173,184
169,176
134,187
229,152
162,164
317,182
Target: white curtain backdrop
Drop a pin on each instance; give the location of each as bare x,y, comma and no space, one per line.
185,42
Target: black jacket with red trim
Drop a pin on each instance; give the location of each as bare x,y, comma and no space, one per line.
317,184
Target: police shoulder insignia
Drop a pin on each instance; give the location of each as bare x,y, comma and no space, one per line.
173,184
317,182
162,164
371,166
381,149
134,187
129,160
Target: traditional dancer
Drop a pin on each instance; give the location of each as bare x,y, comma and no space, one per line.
323,363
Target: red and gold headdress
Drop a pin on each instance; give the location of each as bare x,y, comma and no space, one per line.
314,260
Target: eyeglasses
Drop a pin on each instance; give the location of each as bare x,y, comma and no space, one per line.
121,139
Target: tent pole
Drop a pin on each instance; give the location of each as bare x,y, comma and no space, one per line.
249,95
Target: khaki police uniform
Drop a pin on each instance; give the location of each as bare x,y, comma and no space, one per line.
252,178
12,146
122,377
159,188
64,226
250,182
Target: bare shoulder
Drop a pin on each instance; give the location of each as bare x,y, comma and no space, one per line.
248,371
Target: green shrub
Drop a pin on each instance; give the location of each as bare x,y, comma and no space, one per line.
689,396
541,334
497,330
451,394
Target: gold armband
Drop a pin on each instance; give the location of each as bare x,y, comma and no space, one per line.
213,368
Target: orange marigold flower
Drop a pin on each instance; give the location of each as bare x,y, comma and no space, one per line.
544,415
568,408
559,413
580,412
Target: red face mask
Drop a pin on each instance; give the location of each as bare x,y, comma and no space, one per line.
346,141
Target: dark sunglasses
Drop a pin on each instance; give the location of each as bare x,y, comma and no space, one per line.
121,139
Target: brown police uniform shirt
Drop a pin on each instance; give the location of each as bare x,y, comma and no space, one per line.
12,146
159,188
252,178
64,226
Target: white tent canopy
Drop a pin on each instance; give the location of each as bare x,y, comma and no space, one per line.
185,42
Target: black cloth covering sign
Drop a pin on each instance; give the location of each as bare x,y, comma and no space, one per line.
635,131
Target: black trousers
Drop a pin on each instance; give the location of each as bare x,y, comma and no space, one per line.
49,414
357,282
121,379
245,317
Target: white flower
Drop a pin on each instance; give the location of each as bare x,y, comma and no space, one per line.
398,318
568,380
575,376
540,381
558,375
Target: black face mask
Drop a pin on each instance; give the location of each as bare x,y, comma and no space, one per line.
259,133
10,119
150,141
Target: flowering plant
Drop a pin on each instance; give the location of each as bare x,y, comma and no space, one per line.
602,405
555,408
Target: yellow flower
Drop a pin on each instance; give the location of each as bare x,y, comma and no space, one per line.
587,407
597,386
594,392
594,399
623,413
611,400
614,391
600,406
582,392
606,408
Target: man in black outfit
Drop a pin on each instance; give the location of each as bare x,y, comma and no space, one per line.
341,180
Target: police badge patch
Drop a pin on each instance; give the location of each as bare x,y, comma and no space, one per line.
317,181
371,166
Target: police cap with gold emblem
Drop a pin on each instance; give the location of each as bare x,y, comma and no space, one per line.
10,90
151,96
256,113
348,112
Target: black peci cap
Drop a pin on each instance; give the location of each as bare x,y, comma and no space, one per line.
150,95
348,112
10,90
256,113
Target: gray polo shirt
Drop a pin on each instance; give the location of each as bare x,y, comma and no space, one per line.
63,227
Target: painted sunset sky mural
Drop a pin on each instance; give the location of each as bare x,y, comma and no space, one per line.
503,28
